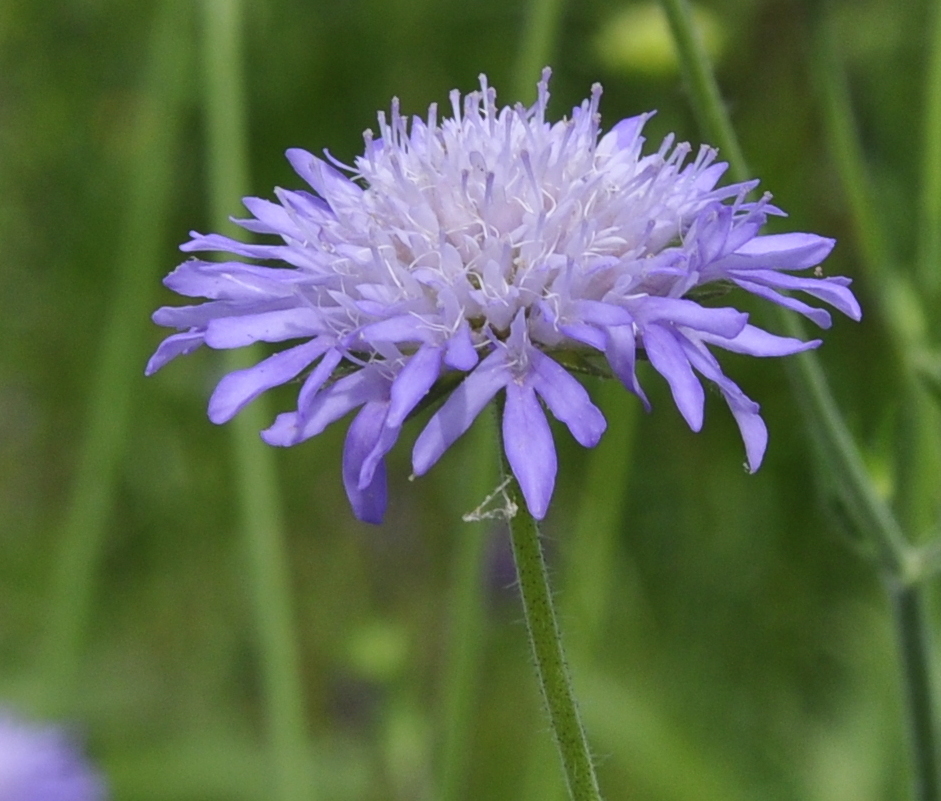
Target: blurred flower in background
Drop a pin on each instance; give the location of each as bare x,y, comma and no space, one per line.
485,253
637,38
41,763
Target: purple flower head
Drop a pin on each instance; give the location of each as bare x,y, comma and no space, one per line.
41,764
483,252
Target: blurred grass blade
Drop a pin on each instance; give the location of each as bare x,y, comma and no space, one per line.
859,494
121,356
704,93
590,553
662,758
467,613
915,635
929,230
843,462
918,443
843,139
808,381
901,307
256,480
536,50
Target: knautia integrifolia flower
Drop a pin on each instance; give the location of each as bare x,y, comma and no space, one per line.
486,253
39,763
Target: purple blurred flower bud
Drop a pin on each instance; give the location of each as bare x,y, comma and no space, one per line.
39,763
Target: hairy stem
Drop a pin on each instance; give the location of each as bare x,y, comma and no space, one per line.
546,644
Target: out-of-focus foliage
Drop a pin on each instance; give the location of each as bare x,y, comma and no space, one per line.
637,39
742,648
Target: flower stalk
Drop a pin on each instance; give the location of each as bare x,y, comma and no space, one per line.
546,643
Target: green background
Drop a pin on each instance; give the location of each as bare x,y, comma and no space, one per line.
727,638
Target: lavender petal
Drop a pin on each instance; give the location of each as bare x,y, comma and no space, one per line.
273,326
567,399
723,322
368,502
173,346
232,280
530,451
833,290
460,410
240,387
758,342
667,357
621,353
821,317
329,405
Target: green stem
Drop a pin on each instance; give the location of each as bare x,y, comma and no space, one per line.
810,380
589,552
915,648
546,643
259,505
121,355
